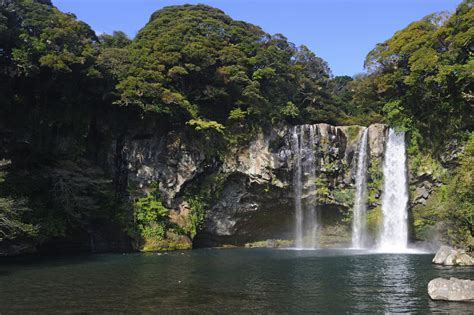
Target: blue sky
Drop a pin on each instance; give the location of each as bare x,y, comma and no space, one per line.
340,31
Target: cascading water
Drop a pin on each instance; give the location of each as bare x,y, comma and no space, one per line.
394,230
304,176
297,187
359,227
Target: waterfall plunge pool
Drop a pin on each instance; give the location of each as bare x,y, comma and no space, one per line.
225,280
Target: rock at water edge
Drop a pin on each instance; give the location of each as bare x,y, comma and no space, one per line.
451,257
451,290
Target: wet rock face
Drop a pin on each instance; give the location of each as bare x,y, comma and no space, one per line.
247,211
257,202
451,290
170,160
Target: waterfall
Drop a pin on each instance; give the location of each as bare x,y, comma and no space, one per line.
394,230
297,186
303,143
359,226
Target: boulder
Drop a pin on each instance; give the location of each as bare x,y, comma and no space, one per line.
452,257
421,194
441,255
451,290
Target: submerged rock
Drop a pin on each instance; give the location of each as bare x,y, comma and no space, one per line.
451,290
452,257
270,244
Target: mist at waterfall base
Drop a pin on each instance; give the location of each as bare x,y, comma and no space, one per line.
225,281
393,231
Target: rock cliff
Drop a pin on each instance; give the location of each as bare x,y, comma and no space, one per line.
256,199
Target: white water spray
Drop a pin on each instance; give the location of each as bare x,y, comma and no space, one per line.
304,176
394,230
359,226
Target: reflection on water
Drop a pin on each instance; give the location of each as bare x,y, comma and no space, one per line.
218,281
398,280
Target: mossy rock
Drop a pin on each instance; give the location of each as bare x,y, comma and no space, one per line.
374,218
173,242
352,133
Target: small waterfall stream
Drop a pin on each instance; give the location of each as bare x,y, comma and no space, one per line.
359,226
304,176
394,230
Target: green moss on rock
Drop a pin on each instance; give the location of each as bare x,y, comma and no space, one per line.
374,218
270,244
172,242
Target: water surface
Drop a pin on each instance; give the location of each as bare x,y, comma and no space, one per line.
226,280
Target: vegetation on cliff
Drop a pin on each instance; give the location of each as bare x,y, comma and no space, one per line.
421,78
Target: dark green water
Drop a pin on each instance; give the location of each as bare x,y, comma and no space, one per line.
225,281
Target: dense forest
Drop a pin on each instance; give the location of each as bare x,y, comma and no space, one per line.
65,92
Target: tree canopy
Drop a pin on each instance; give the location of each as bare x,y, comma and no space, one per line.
422,77
194,63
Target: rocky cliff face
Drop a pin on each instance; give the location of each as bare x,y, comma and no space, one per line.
256,199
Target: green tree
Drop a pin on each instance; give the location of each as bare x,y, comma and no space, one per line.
193,63
458,204
426,71
118,39
12,224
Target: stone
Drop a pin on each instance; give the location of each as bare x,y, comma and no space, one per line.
441,255
464,260
428,185
257,199
422,193
172,160
452,257
377,137
271,243
451,290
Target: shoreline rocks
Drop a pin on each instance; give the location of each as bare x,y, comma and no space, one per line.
449,256
452,289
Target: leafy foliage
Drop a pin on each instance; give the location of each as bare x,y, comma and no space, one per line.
198,213
151,216
451,204
421,78
118,39
197,65
11,222
458,201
